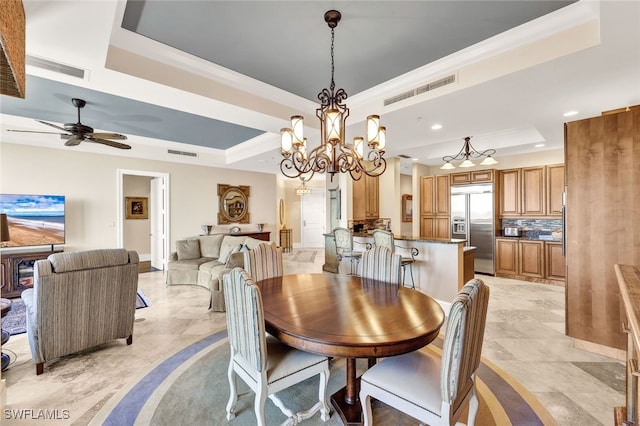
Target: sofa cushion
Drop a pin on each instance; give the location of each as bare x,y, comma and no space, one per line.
209,266
189,263
226,251
210,245
188,249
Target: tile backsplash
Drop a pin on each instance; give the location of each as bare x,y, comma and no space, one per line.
534,228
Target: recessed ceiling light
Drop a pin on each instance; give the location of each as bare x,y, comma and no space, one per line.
570,113
538,145
436,127
414,159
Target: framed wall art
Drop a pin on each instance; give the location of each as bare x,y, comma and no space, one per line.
137,208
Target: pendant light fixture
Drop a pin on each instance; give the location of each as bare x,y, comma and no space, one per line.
333,155
467,153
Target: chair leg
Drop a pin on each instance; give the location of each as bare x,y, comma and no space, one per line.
130,339
258,408
39,368
365,402
325,411
413,283
233,393
473,407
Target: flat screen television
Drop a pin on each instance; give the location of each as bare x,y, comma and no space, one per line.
34,220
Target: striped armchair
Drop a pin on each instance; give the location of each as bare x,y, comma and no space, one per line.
264,363
80,300
380,263
264,261
433,389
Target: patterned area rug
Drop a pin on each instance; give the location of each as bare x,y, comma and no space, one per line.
191,387
15,321
304,255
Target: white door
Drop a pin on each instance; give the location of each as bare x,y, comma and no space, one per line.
313,218
157,219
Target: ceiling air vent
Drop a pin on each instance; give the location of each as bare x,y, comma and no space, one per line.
404,156
55,67
450,79
185,153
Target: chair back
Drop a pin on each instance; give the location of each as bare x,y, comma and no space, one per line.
381,264
263,262
344,239
463,339
384,239
245,319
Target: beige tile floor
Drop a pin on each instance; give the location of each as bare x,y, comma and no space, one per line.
524,336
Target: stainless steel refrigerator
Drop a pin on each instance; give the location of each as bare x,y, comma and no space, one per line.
472,219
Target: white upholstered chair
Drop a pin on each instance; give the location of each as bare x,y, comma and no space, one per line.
263,262
380,263
344,247
386,239
264,363
433,389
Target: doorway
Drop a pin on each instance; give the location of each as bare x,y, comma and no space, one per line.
158,215
312,214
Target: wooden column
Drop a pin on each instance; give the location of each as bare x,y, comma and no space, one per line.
602,157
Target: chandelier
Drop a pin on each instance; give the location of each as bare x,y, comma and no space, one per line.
333,155
303,189
467,153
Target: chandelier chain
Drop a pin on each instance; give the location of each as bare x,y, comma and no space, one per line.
333,84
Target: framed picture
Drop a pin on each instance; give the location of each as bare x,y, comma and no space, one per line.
137,208
407,208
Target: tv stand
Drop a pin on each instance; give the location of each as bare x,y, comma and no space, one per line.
16,273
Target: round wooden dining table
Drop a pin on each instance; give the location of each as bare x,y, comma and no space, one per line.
351,317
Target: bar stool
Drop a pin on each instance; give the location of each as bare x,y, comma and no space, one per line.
344,246
385,239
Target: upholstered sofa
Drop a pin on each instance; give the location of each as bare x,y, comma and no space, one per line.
80,300
201,260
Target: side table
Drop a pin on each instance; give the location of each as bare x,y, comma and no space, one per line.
285,240
5,305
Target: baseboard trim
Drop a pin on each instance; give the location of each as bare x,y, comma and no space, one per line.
599,349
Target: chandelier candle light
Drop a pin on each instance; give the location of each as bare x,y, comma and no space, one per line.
333,155
467,152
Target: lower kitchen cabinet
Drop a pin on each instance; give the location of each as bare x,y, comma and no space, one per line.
532,260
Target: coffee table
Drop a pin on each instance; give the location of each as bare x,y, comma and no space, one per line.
347,316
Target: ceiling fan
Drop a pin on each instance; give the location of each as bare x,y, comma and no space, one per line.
78,132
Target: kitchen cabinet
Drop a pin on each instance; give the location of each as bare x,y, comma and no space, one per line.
531,191
366,198
435,200
555,189
476,176
535,260
555,264
506,256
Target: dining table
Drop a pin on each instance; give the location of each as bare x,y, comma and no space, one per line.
351,317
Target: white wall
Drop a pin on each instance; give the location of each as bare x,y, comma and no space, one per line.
89,182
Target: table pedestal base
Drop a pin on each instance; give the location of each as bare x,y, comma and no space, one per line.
351,414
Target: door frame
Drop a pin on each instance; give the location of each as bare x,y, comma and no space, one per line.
164,205
314,192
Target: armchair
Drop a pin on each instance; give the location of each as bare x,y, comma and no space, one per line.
80,300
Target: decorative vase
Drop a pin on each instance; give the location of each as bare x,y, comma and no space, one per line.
261,226
207,229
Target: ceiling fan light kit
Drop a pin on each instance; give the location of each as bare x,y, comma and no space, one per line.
467,153
78,132
333,155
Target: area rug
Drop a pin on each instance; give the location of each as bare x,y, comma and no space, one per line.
191,387
15,321
303,255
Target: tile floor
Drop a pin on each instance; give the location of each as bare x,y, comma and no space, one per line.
524,336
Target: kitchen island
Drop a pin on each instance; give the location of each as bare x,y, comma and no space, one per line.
439,269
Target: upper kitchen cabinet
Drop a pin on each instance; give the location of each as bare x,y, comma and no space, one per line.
555,189
531,191
435,199
366,198
476,176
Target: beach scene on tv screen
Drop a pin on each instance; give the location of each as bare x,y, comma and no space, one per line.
33,219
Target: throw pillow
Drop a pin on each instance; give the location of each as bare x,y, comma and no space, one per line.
210,245
226,251
188,249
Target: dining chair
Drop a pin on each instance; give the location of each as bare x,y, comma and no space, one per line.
381,264
386,239
435,389
263,262
264,363
344,247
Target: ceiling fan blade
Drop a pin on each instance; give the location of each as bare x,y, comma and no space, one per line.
109,143
116,136
53,125
33,131
73,142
